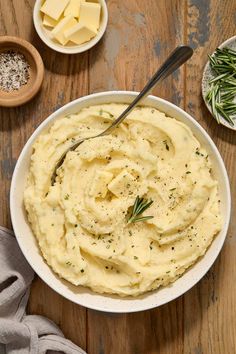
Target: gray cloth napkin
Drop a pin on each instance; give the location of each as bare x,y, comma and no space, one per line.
21,334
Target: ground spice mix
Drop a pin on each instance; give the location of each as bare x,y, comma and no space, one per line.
14,71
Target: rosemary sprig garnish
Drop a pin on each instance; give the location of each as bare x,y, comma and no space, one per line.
140,205
222,90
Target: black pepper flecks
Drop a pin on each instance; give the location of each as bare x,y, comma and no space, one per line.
14,71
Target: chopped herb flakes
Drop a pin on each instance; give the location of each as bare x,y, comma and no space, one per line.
166,145
101,112
199,153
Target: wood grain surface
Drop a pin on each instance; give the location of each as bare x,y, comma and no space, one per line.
140,35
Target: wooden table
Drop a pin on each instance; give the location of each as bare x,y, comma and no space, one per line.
140,35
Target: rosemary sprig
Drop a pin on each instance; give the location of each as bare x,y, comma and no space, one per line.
222,90
140,205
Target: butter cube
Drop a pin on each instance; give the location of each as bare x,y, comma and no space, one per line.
90,14
54,8
62,26
48,21
123,184
73,8
80,33
100,183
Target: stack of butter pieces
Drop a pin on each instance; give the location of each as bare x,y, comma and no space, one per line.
71,20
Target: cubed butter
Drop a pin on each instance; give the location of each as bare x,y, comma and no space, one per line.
65,24
80,33
90,14
99,185
123,184
73,8
54,8
48,21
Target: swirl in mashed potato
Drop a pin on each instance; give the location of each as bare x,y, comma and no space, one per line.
81,222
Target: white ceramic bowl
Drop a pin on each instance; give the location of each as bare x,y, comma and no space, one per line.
84,296
44,34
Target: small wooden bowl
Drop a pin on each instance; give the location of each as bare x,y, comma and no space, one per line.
36,72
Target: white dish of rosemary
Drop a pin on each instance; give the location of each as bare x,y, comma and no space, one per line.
142,208
219,84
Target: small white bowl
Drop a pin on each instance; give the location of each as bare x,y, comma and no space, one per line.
209,75
84,296
44,34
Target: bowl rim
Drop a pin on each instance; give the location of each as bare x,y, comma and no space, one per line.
76,49
140,307
33,52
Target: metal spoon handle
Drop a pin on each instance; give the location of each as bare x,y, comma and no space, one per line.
178,57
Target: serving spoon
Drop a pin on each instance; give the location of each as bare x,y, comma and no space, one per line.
178,57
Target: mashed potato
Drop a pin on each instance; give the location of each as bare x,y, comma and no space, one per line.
81,222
